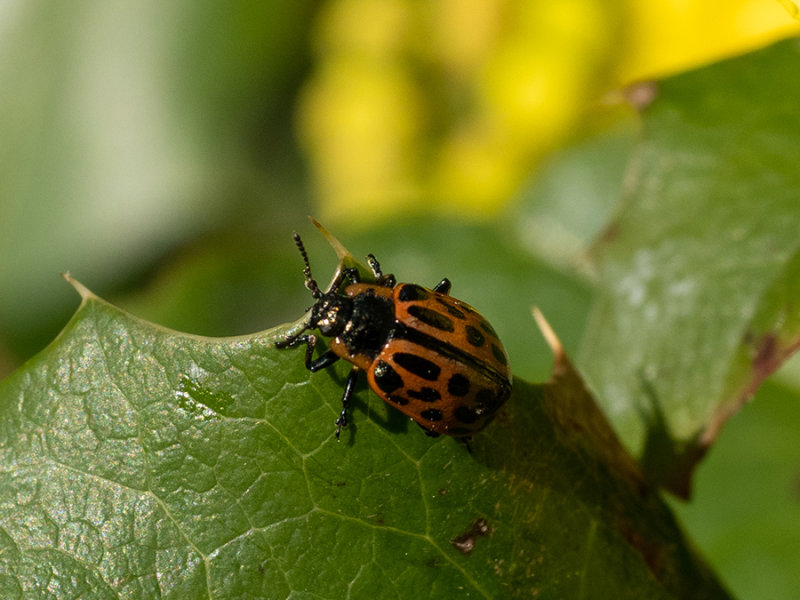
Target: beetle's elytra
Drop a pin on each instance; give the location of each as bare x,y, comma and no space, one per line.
431,356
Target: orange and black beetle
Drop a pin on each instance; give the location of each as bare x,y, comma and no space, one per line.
431,356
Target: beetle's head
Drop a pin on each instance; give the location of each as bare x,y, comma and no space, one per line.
331,313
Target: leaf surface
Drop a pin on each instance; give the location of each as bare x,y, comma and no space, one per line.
700,273
140,462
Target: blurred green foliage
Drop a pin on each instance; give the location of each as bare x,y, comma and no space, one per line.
131,130
704,255
151,150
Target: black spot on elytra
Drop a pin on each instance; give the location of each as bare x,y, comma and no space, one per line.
386,378
411,292
466,415
486,400
399,400
425,394
431,317
451,310
421,367
431,414
458,385
499,355
474,337
488,328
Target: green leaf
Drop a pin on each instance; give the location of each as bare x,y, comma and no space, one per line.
701,271
743,513
140,462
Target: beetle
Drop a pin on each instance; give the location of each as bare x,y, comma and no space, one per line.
431,356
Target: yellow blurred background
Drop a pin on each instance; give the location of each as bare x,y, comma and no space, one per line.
448,105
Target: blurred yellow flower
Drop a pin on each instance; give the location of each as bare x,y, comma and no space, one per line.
448,105
669,36
361,125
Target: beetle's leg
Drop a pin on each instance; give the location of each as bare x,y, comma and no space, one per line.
326,359
348,393
387,280
352,274
291,342
427,431
443,287
375,266
464,441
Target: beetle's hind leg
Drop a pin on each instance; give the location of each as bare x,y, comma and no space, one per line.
464,441
428,432
349,387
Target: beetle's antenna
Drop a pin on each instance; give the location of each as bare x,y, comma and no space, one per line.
311,283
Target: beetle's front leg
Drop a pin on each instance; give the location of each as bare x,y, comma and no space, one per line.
291,341
350,274
326,359
348,393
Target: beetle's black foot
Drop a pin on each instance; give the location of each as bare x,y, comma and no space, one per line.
290,341
282,344
427,431
341,422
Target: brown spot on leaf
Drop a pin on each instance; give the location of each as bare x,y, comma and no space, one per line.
649,550
765,359
465,543
769,354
